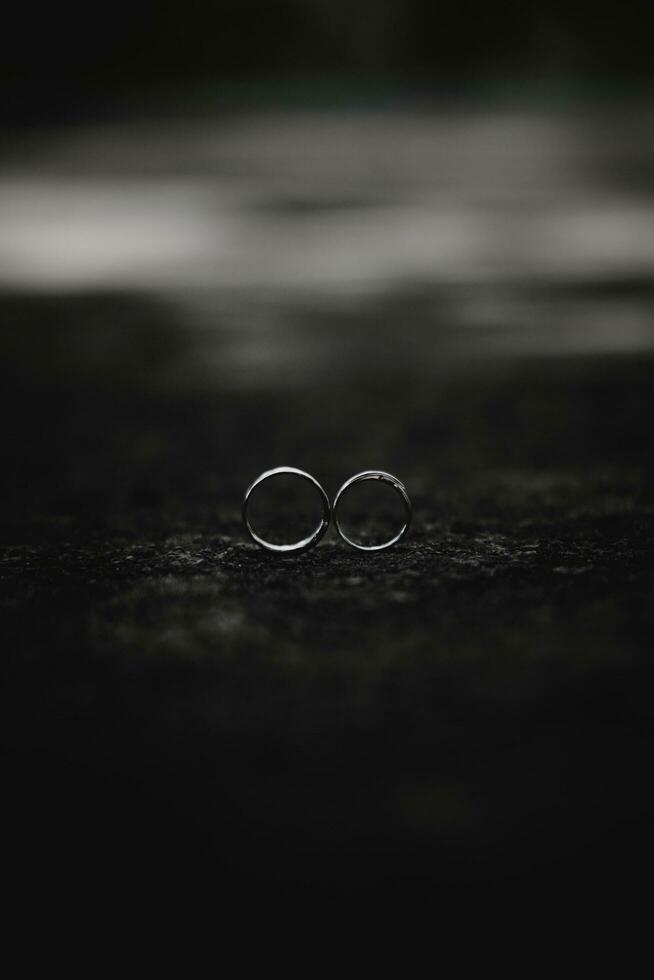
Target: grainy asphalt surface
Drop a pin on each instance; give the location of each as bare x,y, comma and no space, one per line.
473,705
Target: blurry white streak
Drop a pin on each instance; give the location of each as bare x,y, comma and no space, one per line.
609,237
181,234
322,203
318,151
73,234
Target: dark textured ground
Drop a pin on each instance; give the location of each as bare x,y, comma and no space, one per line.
473,706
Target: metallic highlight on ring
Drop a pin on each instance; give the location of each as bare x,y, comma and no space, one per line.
305,543
397,485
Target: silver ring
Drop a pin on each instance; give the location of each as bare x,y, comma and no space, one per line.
305,543
397,485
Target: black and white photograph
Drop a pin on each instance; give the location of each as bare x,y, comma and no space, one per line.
327,483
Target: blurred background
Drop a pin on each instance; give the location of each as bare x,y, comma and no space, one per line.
338,236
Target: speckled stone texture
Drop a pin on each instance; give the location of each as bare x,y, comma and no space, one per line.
471,706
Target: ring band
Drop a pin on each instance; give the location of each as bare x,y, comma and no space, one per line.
305,543
397,485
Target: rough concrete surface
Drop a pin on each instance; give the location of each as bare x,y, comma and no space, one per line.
471,706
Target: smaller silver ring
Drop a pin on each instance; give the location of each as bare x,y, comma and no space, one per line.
397,485
305,543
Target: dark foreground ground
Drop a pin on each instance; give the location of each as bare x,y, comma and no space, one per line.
472,707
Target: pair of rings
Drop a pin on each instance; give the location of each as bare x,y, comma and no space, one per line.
328,510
